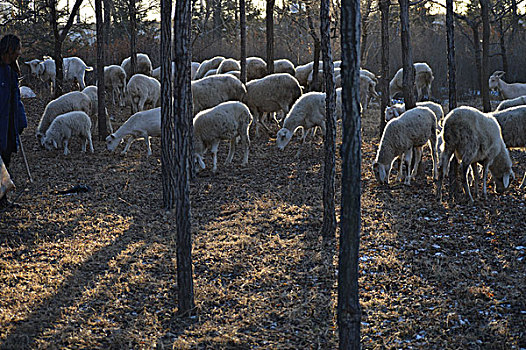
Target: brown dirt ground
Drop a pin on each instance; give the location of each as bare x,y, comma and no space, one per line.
96,270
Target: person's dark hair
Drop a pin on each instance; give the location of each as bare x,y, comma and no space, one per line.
10,43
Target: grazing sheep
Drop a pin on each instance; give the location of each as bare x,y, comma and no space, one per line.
284,66
91,92
367,89
210,72
211,91
272,93
303,72
115,81
518,101
235,73
225,121
75,70
512,122
45,71
207,65
6,184
423,79
474,137
396,110
144,65
507,91
72,101
320,86
143,90
256,68
143,124
64,126
414,128
228,65
26,92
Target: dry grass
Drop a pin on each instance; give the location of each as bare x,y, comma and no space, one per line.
97,270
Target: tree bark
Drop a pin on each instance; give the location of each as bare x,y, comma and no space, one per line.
314,85
384,79
243,46
181,147
451,64
329,214
133,38
365,30
101,90
349,314
407,56
106,31
484,8
270,35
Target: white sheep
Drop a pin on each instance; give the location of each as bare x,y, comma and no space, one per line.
396,110
115,81
6,184
91,92
194,68
284,66
26,92
507,91
228,65
64,126
512,122
143,90
210,72
256,68
474,137
207,65
368,74
226,121
143,124
211,91
72,101
44,70
75,70
303,72
517,101
367,88
414,128
144,65
423,79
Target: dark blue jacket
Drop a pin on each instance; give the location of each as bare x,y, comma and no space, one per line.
8,79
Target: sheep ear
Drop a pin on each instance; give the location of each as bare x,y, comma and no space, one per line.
499,74
506,180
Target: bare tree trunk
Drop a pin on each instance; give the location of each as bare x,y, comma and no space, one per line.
218,23
101,90
407,56
451,64
182,148
243,33
133,38
349,314
384,80
106,32
484,8
315,85
329,214
270,36
366,12
477,52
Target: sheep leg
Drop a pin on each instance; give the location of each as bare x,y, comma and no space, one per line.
418,159
148,145
231,150
523,183
66,150
90,143
442,169
465,169
262,121
245,143
128,144
408,156
433,147
215,145
399,176
484,180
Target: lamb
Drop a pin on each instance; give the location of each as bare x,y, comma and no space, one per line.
226,121
115,81
270,94
512,122
228,65
143,90
308,112
75,70
6,184
507,91
474,137
518,101
256,68
396,110
143,124
414,128
211,91
64,126
72,101
423,79
45,71
207,65
144,65
284,66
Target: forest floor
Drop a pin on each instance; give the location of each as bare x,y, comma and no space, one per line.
97,270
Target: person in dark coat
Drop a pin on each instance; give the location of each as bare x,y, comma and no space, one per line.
12,114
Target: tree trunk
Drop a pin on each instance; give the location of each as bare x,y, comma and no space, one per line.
314,85
243,33
133,38
349,314
218,23
181,147
384,80
365,30
329,215
503,51
101,91
106,32
407,56
477,52
451,64
484,8
270,36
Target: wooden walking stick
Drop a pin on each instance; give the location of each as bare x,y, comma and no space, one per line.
25,159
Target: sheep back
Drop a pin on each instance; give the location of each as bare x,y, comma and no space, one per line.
256,68
518,101
143,89
284,66
144,65
272,93
211,91
207,65
228,65
512,122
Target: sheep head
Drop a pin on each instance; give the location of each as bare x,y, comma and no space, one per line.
111,142
283,137
380,172
494,80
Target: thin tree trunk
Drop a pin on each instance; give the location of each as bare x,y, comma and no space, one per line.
384,79
133,38
365,29
503,50
182,148
407,56
477,52
484,8
314,85
218,23
101,91
451,64
349,314
329,215
106,32
243,33
270,36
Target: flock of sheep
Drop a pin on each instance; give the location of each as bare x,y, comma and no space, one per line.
224,109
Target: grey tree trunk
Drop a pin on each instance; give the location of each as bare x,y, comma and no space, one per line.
384,80
484,9
270,35
315,85
243,34
366,12
133,37
451,64
106,32
329,215
407,56
179,144
349,314
101,90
